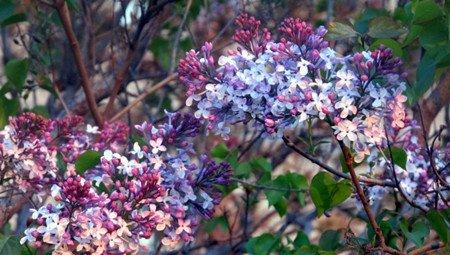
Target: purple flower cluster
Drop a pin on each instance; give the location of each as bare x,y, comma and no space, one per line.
299,78
160,186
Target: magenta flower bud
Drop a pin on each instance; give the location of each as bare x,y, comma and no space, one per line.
332,96
109,226
114,196
336,120
364,77
115,161
269,122
325,110
308,95
315,54
357,57
210,60
35,233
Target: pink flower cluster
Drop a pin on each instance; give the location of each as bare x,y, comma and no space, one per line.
299,78
29,146
158,186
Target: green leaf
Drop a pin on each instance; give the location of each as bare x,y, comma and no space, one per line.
16,71
262,245
390,43
41,110
8,107
425,11
220,151
297,181
399,156
243,170
261,163
72,4
301,239
274,196
414,32
362,22
330,240
339,31
385,27
160,47
282,186
435,33
327,193
9,245
341,192
438,223
6,9
344,166
62,166
418,232
281,207
426,73
220,221
13,19
87,160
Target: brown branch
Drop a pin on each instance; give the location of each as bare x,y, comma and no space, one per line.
143,96
372,221
64,15
152,11
427,248
368,181
6,212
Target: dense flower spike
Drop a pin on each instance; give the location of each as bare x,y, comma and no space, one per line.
249,34
300,78
155,187
30,143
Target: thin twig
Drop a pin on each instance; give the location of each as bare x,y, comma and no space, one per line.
366,180
258,186
144,95
151,12
427,248
250,145
397,183
176,43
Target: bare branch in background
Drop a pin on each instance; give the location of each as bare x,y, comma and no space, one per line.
63,11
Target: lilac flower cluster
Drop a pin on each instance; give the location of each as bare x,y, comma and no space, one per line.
160,186
300,78
30,143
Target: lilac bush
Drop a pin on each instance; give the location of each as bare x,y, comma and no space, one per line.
276,85
163,186
156,185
